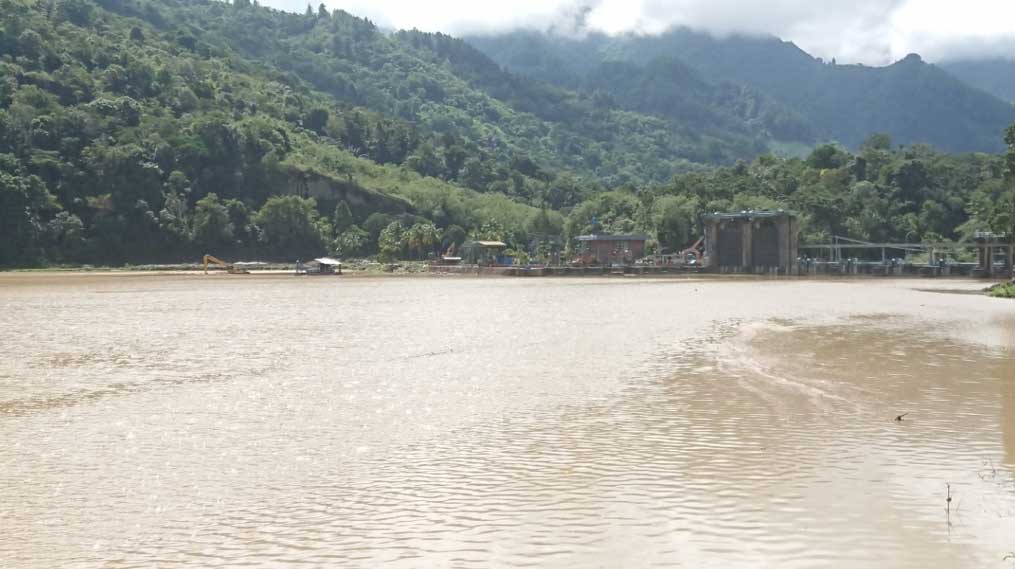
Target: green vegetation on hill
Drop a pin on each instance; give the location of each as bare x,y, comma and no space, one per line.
446,87
124,139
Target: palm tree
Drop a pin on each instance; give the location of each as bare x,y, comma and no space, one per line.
421,238
413,238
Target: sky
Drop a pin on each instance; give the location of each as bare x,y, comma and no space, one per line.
873,32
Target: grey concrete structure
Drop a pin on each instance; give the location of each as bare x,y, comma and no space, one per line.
752,242
995,254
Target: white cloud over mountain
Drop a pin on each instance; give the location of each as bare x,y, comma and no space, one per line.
868,31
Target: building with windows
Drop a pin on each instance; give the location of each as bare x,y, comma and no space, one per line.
610,249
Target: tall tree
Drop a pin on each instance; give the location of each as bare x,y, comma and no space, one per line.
212,226
291,226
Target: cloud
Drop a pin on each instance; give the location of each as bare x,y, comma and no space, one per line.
943,30
867,31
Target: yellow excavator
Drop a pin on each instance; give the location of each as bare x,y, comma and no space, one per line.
230,268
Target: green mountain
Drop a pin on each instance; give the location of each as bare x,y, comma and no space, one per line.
995,76
912,101
155,129
444,86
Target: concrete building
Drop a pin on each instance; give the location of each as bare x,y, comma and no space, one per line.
752,242
610,249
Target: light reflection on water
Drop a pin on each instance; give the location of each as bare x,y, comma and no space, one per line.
477,423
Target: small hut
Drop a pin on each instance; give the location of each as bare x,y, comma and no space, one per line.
484,253
319,266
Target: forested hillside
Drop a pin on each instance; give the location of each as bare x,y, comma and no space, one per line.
911,100
444,86
120,119
157,130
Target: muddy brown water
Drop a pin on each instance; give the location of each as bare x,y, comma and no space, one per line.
192,421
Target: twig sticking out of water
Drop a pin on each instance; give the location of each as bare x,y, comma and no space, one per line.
898,418
948,503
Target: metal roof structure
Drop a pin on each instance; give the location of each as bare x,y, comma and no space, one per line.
606,237
486,243
748,214
328,261
990,236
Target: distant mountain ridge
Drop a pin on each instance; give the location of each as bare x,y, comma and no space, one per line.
910,100
993,75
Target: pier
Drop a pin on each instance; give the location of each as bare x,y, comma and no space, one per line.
994,257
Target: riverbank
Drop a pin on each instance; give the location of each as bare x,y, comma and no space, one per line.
351,267
364,268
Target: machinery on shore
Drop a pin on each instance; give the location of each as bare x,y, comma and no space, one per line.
231,268
694,254
689,258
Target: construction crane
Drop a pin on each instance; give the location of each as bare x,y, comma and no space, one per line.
694,253
230,268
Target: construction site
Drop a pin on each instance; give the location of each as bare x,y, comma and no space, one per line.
746,242
762,243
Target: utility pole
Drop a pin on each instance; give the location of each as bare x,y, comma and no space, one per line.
1010,231
1007,218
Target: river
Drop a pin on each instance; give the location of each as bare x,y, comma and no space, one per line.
227,421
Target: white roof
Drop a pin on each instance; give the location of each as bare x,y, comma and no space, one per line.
328,261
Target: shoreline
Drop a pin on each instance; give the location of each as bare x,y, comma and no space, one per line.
356,267
945,284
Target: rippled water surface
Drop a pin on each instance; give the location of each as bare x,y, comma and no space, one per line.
193,421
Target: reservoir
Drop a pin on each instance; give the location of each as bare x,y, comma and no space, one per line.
274,421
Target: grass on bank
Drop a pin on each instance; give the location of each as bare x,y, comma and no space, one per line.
1002,290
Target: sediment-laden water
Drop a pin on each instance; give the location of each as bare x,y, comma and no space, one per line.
193,421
